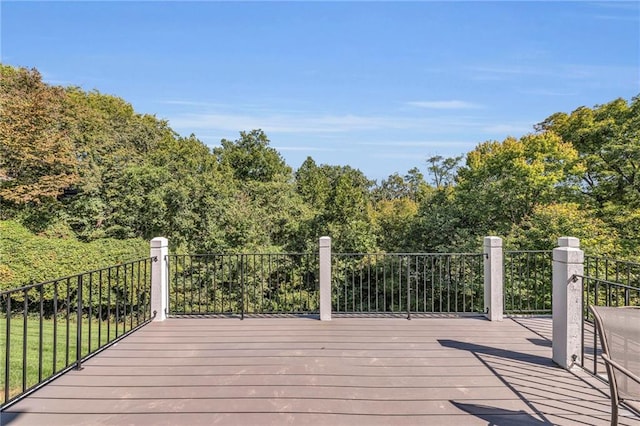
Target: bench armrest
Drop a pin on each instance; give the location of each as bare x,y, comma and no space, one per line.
622,369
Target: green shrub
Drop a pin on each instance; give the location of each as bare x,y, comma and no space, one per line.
29,258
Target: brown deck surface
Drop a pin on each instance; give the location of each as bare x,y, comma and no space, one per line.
350,371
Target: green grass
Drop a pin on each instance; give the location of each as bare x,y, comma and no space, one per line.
54,345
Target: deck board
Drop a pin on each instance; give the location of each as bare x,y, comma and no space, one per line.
350,371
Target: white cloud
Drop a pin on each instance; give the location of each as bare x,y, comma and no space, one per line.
298,123
304,148
452,104
189,103
418,144
398,156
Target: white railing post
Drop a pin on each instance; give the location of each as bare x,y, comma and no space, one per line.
325,279
493,275
568,261
159,289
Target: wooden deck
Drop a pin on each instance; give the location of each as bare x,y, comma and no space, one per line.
350,371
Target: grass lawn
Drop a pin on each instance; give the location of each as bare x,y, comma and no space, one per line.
50,351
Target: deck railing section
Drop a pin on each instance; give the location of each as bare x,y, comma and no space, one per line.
403,283
51,327
528,281
240,284
606,282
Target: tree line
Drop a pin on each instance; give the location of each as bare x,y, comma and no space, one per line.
84,165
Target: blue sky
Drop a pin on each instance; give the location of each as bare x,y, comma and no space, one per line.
380,86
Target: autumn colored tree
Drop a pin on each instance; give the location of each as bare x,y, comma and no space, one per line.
37,156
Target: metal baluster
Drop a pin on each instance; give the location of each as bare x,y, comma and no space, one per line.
79,326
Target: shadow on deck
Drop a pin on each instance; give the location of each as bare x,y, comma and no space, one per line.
373,371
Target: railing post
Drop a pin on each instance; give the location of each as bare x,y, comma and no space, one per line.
159,285
325,278
493,278
568,261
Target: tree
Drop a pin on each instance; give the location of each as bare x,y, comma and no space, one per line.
393,222
411,186
391,188
339,198
37,158
541,229
443,224
418,188
607,139
443,170
312,184
501,183
140,209
251,158
109,138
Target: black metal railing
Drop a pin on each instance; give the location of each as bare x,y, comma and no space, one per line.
51,327
407,282
606,282
240,284
528,281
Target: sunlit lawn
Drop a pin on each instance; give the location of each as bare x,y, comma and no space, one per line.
48,353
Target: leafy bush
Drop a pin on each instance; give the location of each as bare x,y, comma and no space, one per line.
29,258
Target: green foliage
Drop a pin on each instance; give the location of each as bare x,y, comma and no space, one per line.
398,282
249,283
390,219
85,180
443,224
607,138
506,181
251,158
411,186
341,205
443,170
36,154
27,258
542,228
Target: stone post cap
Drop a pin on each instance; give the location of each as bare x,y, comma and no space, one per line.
569,242
325,241
568,255
492,242
159,242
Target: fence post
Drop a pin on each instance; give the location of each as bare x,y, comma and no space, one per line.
159,288
493,276
325,278
568,260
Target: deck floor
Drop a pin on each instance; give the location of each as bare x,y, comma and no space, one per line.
349,371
